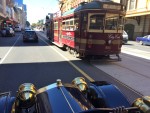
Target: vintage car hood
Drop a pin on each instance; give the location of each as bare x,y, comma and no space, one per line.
62,99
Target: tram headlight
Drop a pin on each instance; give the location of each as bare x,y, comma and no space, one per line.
90,36
109,41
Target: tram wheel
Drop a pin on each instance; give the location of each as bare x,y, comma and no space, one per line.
76,54
67,48
70,51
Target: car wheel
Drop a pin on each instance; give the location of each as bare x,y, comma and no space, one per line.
36,40
141,42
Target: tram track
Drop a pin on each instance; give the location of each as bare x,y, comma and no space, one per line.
132,70
119,81
129,92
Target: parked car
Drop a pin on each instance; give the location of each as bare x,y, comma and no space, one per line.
27,28
8,31
30,35
125,37
145,40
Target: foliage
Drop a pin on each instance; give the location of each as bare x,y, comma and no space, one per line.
39,24
27,23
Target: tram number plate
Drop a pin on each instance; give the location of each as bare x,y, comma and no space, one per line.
107,47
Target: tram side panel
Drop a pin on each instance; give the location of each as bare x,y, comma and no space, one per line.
68,38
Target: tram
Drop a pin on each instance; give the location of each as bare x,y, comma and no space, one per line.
92,29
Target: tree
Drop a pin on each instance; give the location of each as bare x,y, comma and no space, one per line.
27,23
34,25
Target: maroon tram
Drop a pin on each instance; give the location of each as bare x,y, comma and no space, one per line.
93,28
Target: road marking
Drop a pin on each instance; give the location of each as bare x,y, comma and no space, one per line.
86,75
136,52
2,59
72,64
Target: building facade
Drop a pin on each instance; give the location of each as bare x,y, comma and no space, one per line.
11,12
137,22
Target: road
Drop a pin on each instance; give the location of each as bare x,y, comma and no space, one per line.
133,70
43,63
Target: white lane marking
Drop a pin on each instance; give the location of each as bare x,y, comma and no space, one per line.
1,61
136,52
72,64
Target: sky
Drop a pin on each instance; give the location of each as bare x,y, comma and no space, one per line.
38,9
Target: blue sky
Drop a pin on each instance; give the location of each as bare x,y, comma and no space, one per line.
38,9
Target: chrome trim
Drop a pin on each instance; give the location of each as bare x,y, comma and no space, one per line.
67,101
41,90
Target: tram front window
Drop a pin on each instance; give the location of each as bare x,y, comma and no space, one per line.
111,24
96,22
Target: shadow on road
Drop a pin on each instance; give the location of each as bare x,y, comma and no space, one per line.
17,41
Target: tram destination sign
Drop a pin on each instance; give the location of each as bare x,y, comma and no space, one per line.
112,6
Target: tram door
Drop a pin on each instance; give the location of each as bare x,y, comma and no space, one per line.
57,33
77,32
80,31
60,31
83,31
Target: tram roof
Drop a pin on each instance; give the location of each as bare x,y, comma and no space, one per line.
90,5
94,5
68,12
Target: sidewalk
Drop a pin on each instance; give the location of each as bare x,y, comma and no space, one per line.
135,51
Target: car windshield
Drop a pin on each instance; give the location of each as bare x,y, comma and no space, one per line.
124,33
29,33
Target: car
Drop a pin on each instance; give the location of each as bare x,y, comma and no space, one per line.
8,31
75,97
125,37
30,35
27,28
17,28
145,40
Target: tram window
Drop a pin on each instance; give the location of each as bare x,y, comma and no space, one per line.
67,23
111,24
120,24
63,25
71,22
96,22
55,25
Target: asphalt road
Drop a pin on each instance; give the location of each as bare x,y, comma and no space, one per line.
43,63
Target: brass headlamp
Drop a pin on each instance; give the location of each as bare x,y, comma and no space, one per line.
26,95
80,83
143,104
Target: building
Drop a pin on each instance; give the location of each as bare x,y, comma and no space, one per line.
11,13
137,22
2,11
21,12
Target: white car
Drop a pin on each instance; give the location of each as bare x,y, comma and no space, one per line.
125,37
